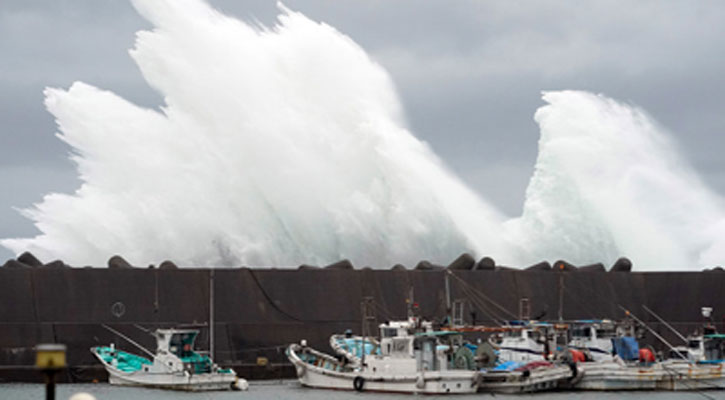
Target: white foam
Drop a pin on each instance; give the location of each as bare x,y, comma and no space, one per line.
275,146
608,182
287,145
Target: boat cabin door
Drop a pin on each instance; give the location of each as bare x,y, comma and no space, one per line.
425,354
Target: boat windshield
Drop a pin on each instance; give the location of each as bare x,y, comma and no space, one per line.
606,333
388,332
693,344
182,344
513,333
581,332
714,348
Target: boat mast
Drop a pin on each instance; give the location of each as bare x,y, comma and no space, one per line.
211,313
362,345
561,292
448,300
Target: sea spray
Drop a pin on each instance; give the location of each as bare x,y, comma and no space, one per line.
275,146
287,145
608,182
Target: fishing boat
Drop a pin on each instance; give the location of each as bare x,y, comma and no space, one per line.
632,368
409,364
594,338
523,341
664,375
352,346
526,360
175,365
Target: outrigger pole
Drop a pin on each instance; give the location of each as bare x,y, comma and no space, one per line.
126,338
657,335
665,323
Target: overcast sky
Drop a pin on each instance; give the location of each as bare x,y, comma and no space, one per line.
469,74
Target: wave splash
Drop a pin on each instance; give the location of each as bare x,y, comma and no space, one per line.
274,146
609,182
288,145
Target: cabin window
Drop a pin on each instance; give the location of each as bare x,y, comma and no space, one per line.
181,344
581,332
513,334
693,344
389,332
605,333
714,349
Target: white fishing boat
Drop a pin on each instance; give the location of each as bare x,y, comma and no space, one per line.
175,365
594,337
352,346
407,364
664,375
523,341
636,369
527,362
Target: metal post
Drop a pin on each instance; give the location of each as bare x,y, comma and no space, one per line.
524,309
50,359
49,384
367,317
363,311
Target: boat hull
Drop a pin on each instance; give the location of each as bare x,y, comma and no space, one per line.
431,383
193,383
330,375
535,380
178,380
660,376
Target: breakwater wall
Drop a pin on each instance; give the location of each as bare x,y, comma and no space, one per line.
258,311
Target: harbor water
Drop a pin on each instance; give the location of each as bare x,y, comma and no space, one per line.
292,390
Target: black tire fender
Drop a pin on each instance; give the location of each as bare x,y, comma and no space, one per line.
358,383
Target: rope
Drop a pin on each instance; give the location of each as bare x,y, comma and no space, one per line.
479,293
483,307
387,314
285,313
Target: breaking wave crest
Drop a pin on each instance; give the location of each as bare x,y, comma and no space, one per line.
287,145
609,182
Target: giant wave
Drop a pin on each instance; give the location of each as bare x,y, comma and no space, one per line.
287,145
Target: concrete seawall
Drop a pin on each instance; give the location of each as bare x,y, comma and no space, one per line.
258,311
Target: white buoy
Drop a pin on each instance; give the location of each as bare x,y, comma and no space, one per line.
82,396
240,384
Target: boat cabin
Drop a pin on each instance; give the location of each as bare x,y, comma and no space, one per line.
176,346
524,342
714,345
408,327
179,342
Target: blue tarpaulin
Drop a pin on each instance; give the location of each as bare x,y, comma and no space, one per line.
626,348
508,366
